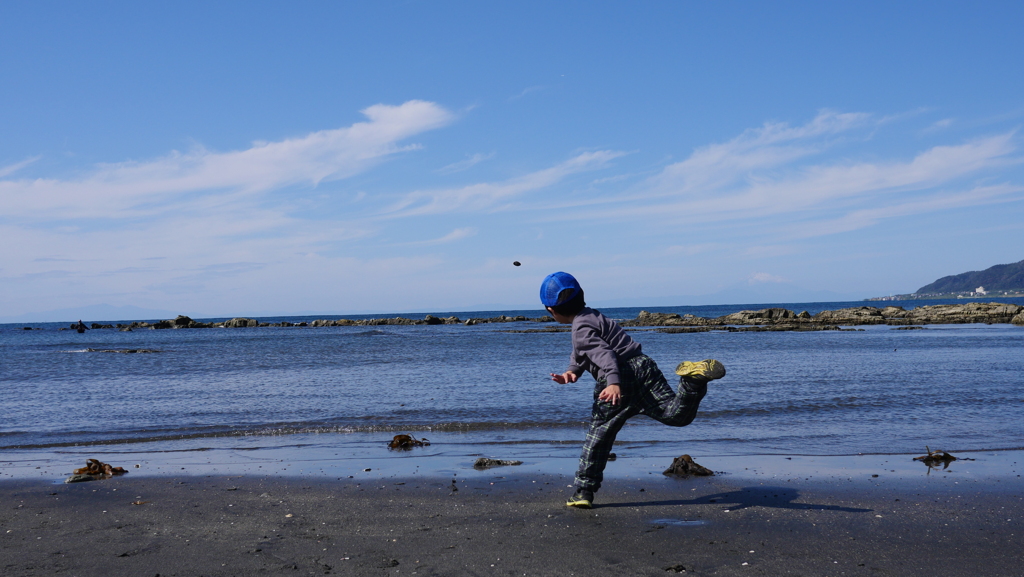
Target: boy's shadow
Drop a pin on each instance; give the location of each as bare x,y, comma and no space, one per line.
760,496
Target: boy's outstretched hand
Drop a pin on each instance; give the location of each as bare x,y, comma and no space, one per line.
566,377
611,394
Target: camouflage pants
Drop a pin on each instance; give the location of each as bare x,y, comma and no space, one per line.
644,392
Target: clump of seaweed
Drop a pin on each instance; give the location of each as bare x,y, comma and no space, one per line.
94,470
935,458
403,442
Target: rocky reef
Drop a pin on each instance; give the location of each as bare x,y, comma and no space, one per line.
785,319
184,322
763,320
427,320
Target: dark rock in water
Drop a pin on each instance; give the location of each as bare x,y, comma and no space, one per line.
649,319
516,263
432,320
485,463
99,326
135,325
240,322
684,466
852,316
758,317
180,322
912,328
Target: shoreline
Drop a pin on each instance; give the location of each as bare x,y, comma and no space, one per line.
816,520
372,461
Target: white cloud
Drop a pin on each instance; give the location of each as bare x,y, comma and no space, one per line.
763,277
485,197
138,188
457,234
12,168
770,146
525,91
210,217
464,164
863,218
768,175
223,229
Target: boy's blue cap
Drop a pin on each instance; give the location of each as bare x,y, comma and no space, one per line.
553,286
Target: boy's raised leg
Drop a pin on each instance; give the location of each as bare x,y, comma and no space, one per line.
678,409
681,408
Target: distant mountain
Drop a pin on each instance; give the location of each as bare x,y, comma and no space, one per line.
1002,277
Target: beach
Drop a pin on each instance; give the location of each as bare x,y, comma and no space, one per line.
761,515
264,451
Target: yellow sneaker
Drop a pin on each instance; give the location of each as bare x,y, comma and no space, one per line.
581,499
706,370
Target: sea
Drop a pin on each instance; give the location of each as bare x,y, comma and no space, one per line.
486,389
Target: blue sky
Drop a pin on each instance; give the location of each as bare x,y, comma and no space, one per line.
270,158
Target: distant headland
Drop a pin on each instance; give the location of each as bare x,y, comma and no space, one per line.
1002,280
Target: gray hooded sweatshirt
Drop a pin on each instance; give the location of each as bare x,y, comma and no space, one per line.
598,346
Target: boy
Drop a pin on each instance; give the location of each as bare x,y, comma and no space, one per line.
628,382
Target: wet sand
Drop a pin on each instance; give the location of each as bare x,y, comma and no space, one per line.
774,516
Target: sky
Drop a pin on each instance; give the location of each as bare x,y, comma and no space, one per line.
258,158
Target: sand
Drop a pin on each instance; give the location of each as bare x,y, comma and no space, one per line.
761,516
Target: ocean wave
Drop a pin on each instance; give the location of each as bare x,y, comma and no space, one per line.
92,438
